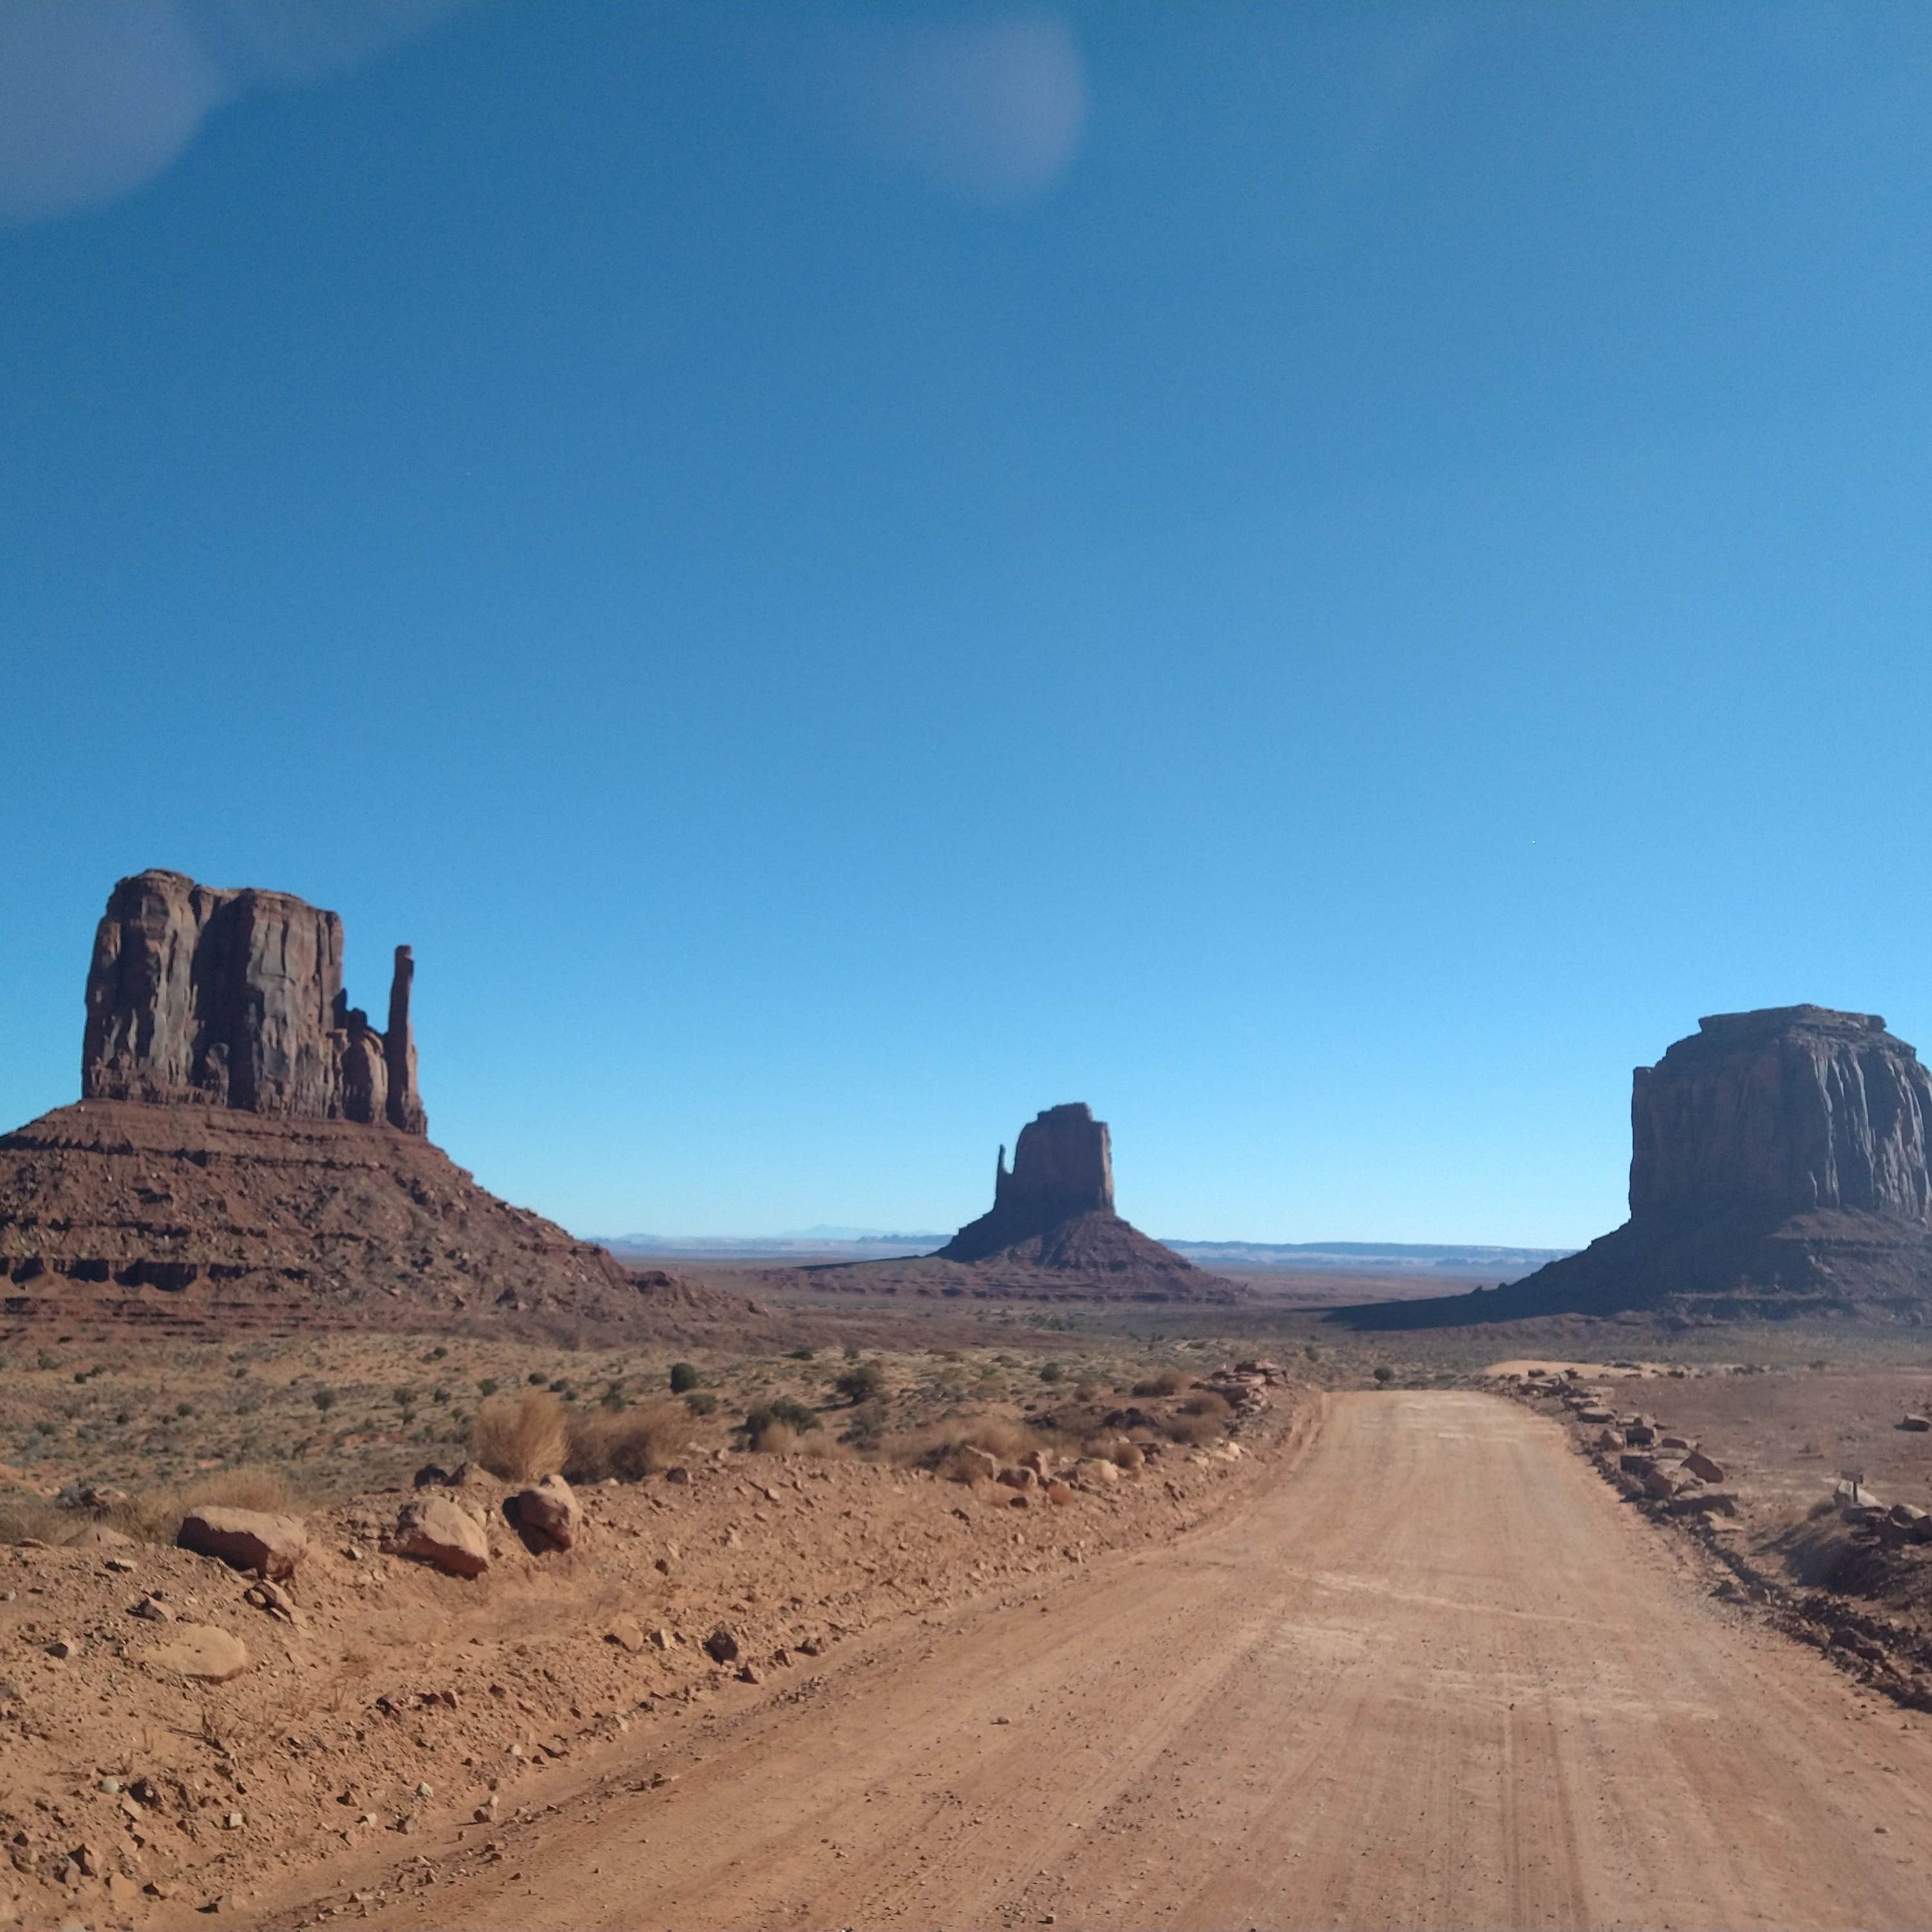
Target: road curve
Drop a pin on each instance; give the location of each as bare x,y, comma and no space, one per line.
1436,1675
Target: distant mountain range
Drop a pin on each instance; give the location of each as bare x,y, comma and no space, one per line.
1450,1259
1369,1257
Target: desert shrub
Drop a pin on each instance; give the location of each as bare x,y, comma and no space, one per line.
614,1398
23,1517
487,1386
769,1421
865,1425
1384,1374
1205,1402
936,1445
851,1351
1125,1455
803,1355
1169,1381
862,1385
700,1401
521,1437
1051,1372
684,1377
1195,1430
630,1445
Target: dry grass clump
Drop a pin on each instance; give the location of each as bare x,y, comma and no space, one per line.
1169,1381
521,1437
251,1488
29,1518
629,1444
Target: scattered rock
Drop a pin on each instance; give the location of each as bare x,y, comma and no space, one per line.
720,1646
978,1465
201,1651
272,1546
273,1598
1701,1466
627,1633
1919,1424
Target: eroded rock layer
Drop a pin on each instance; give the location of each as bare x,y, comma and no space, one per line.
187,1214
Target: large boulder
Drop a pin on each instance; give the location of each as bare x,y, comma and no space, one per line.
549,1511
270,1545
432,1529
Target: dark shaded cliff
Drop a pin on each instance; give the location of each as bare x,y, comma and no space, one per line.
1778,1168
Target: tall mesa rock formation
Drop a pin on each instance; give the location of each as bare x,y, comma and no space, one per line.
1789,1110
1779,1167
235,999
1063,1169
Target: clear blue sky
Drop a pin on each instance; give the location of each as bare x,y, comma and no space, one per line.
1325,578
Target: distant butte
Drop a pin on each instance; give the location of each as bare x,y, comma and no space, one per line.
1778,1168
1050,1234
248,1149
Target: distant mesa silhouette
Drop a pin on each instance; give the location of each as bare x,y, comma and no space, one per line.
1054,1212
248,1149
1778,1168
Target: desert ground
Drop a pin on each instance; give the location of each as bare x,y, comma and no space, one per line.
1385,1638
1430,1673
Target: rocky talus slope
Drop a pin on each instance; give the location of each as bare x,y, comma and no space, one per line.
1778,1168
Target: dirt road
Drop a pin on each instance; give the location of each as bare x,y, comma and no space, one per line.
1438,1676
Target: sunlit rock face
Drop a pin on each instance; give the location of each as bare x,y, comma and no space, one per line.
234,999
1789,1110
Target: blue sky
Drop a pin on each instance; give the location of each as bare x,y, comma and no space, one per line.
1324,578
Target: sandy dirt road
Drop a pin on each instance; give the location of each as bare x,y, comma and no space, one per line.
1435,1676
